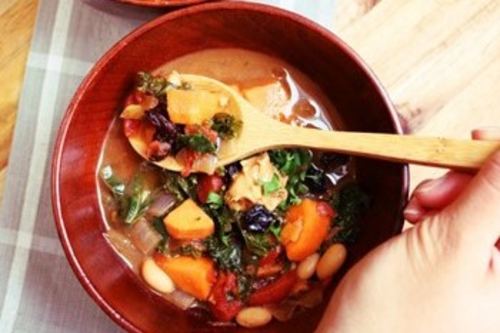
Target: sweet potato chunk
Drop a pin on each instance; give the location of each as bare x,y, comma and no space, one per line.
192,107
188,221
194,276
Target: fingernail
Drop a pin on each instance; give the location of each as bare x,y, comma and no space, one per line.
486,133
411,213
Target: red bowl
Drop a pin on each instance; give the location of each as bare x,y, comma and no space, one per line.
163,3
360,99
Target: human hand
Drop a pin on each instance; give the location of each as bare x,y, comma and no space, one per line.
442,275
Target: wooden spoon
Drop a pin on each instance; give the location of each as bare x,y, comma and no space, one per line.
260,133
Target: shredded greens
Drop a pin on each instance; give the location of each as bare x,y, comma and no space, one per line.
196,142
226,125
153,85
294,163
133,199
350,203
182,188
159,226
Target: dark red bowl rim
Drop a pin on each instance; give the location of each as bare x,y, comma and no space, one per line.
163,3
110,54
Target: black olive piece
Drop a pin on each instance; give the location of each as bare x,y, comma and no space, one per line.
230,171
331,161
316,180
200,313
165,130
258,219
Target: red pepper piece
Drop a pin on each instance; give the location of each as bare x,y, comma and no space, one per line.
223,308
207,184
276,291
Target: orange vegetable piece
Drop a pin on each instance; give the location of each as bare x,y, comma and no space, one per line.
306,226
194,276
189,221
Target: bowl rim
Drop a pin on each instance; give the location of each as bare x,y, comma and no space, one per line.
162,3
136,33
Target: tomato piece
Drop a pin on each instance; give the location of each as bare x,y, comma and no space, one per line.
276,291
206,131
136,97
186,158
207,184
209,133
270,257
324,209
131,126
223,308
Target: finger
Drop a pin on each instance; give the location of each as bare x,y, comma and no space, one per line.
414,212
439,193
486,133
475,214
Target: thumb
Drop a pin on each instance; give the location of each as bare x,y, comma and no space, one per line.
475,214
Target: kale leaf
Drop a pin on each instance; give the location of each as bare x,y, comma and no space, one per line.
159,226
196,142
133,199
226,125
350,203
227,254
182,188
153,85
294,163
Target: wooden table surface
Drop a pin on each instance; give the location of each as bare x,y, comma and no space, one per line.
439,60
17,18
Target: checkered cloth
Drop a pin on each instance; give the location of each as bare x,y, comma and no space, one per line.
40,292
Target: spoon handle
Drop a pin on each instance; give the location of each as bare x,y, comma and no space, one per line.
431,151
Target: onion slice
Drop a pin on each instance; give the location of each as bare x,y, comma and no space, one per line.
144,236
162,204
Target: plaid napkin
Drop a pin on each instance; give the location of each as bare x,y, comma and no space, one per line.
40,292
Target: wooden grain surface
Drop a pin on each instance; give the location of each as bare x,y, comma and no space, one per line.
17,18
439,59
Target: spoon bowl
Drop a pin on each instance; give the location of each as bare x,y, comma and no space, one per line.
261,132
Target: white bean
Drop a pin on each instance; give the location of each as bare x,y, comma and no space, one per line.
255,316
331,261
307,267
156,278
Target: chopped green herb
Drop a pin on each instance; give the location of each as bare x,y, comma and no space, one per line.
294,163
257,243
115,185
133,199
275,229
214,200
153,85
138,203
196,142
160,228
226,125
181,188
227,254
271,186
